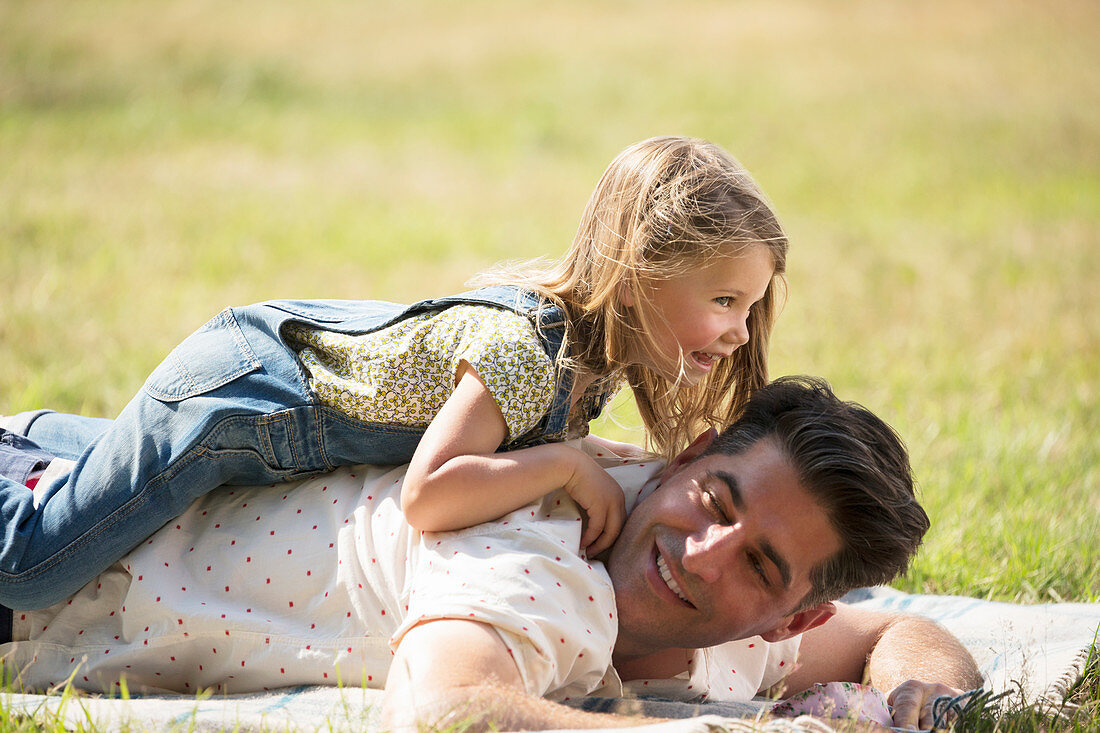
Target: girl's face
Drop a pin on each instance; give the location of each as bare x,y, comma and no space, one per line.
702,316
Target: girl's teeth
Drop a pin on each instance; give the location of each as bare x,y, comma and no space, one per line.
662,568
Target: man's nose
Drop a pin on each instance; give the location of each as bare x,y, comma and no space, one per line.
709,553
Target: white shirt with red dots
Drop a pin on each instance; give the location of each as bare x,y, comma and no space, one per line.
256,588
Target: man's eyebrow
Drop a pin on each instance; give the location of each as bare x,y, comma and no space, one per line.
766,547
734,488
780,562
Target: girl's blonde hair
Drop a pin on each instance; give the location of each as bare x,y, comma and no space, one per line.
664,207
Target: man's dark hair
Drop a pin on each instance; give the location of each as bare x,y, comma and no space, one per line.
853,464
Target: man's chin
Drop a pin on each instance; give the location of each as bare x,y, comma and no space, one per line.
642,634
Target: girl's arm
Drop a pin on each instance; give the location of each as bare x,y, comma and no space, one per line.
456,479
626,451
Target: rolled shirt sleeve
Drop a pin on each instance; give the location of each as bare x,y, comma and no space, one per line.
554,611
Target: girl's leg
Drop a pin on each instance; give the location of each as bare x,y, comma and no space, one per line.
20,458
213,413
89,518
62,434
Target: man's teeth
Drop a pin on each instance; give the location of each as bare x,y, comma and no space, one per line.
662,568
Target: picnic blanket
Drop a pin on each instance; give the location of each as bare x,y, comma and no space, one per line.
1034,653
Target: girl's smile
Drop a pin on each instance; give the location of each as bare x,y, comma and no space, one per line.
702,316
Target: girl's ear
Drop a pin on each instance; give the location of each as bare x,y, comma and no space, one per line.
626,295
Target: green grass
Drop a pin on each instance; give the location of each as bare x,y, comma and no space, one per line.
937,166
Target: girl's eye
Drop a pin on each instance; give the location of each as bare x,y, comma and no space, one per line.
725,301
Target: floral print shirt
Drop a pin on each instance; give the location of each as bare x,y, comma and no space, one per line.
404,373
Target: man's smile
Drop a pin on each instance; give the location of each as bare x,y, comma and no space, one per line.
665,574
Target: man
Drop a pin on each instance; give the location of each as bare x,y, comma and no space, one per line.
754,533
748,535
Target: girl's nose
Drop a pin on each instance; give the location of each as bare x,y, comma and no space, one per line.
707,555
738,333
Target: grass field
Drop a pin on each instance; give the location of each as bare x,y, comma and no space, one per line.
937,166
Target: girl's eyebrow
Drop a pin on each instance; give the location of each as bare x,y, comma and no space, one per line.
766,547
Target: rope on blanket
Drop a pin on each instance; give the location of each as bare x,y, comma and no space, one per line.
946,709
1056,701
1060,688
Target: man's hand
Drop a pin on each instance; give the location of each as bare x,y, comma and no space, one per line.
891,652
912,702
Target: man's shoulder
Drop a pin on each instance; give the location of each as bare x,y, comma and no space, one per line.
523,576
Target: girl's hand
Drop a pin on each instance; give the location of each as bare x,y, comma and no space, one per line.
602,501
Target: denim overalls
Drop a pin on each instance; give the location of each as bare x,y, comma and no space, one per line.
229,405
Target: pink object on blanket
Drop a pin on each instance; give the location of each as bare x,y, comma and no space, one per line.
838,700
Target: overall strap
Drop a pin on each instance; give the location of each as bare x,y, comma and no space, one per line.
548,319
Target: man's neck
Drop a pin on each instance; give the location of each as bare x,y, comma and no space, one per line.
664,664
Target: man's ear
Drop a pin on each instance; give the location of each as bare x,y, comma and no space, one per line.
689,454
800,622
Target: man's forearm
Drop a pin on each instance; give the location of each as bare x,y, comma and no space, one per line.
451,672
914,648
494,707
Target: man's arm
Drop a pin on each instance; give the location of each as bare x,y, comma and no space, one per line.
452,671
914,659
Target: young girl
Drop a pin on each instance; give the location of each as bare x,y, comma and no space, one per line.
670,286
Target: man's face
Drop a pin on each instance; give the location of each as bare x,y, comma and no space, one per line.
722,550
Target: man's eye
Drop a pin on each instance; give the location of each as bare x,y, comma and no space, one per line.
758,568
711,500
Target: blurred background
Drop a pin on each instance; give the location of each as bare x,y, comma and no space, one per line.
936,164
